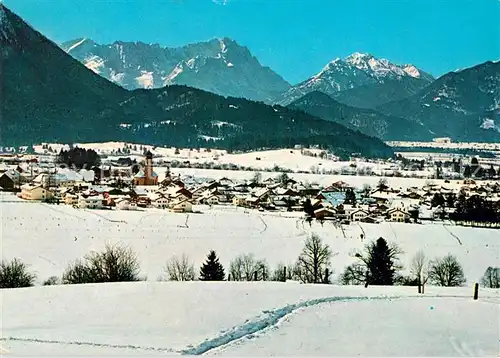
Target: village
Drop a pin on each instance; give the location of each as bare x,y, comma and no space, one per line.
139,188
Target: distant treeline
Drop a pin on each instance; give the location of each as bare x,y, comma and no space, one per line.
461,151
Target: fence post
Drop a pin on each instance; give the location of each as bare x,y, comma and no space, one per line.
284,274
229,277
255,276
476,290
327,273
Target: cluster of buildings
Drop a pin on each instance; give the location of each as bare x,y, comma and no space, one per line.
414,204
338,202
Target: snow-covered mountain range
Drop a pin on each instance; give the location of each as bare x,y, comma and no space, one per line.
220,66
224,67
356,70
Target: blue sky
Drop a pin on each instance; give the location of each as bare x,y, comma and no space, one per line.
296,38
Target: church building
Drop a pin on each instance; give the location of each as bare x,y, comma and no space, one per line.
147,176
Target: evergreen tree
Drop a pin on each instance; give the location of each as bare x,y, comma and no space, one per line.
491,172
450,200
350,197
438,200
380,263
308,208
212,269
467,171
30,149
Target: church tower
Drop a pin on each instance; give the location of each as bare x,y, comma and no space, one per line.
148,170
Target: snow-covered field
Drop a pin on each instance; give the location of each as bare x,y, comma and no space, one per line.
49,237
320,179
230,318
247,319
458,145
291,159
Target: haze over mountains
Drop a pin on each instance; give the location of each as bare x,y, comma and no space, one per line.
47,94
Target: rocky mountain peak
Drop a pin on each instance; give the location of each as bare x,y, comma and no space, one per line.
6,28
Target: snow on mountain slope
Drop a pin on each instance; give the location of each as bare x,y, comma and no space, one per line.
68,50
354,71
219,65
383,68
6,31
462,105
145,80
247,319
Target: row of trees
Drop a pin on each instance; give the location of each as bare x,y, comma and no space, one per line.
377,265
468,209
79,158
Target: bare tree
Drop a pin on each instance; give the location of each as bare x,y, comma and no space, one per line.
447,272
180,269
419,268
246,268
314,261
354,274
257,178
279,273
491,277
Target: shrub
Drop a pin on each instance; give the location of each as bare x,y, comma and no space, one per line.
51,281
115,264
14,274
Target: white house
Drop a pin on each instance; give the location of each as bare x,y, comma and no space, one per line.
325,213
158,201
124,203
398,215
91,202
182,206
359,215
71,199
35,192
211,200
239,200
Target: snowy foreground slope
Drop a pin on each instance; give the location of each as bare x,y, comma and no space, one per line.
247,319
49,237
